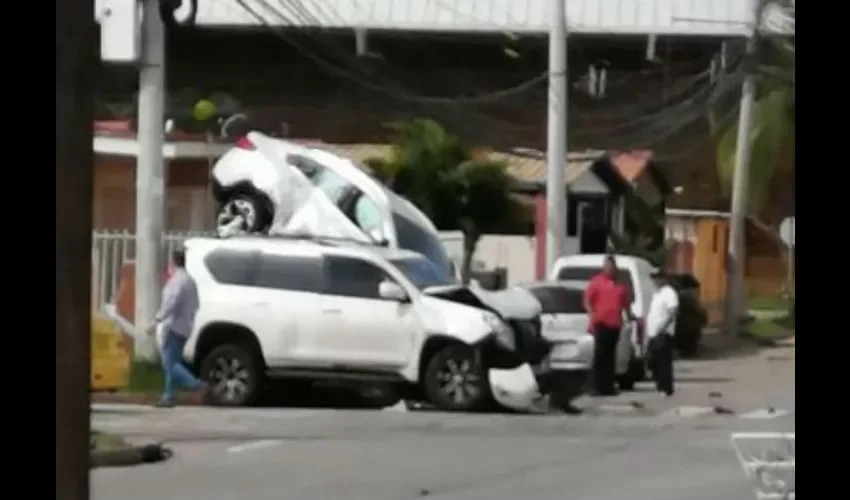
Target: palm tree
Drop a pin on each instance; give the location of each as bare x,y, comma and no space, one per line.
772,130
442,176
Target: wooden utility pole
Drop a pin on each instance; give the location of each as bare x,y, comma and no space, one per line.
76,62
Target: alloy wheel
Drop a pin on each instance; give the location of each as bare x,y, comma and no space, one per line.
459,381
229,379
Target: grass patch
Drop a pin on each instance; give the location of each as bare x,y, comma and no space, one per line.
102,441
145,376
761,329
769,303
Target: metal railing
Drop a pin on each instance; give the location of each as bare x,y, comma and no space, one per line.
112,249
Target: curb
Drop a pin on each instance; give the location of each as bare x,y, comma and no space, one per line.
131,455
140,398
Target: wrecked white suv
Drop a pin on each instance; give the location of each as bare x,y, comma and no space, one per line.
319,310
273,186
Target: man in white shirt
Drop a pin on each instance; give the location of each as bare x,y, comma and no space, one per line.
660,330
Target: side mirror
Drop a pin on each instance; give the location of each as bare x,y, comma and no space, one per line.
391,291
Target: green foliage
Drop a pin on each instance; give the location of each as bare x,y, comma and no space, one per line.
439,173
642,224
771,134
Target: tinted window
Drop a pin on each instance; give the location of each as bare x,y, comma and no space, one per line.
422,273
578,273
308,167
559,300
352,277
232,267
413,237
302,274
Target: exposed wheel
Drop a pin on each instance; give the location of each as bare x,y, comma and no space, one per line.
242,213
233,374
454,380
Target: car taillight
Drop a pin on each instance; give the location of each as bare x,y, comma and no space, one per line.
245,143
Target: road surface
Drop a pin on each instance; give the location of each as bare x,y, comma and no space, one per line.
640,446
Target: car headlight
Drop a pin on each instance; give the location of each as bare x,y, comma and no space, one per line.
501,331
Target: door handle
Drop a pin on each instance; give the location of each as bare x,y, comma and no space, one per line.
332,311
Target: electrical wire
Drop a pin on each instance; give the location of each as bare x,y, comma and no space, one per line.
661,124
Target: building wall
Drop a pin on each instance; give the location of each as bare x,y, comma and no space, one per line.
189,203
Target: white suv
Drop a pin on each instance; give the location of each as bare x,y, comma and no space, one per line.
326,311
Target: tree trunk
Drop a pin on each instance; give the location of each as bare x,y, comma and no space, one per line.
470,242
76,56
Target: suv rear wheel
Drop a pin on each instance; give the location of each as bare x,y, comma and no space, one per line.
233,374
455,381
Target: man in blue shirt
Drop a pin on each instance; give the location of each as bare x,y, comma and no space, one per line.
177,316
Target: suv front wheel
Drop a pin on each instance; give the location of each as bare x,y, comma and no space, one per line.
455,381
232,374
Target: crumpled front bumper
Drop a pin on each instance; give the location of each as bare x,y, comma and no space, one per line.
516,388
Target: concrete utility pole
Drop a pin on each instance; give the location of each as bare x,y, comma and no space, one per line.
76,60
556,136
150,174
741,184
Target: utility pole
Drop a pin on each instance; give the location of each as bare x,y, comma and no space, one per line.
76,62
150,174
741,183
556,134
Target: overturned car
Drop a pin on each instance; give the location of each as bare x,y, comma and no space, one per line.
273,186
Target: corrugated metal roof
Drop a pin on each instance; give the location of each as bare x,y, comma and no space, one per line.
663,17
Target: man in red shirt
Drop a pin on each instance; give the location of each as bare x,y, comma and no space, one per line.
605,301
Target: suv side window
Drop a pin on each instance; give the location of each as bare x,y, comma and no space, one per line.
351,277
232,267
293,273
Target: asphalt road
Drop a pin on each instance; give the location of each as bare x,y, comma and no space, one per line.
641,446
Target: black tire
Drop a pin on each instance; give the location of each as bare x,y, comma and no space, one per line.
474,393
260,220
233,374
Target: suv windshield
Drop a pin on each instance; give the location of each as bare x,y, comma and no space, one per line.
422,272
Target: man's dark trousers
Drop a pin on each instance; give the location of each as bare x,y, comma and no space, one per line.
661,362
605,358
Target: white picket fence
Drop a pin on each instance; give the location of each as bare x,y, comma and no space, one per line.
112,249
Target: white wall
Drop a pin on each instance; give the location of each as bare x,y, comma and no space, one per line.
515,253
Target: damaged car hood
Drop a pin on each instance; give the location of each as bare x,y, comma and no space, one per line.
511,303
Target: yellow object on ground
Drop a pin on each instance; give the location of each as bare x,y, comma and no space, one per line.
111,356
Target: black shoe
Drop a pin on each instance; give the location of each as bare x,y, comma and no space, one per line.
164,404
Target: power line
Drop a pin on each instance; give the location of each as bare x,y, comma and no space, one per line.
648,126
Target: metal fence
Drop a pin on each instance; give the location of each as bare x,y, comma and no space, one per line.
112,249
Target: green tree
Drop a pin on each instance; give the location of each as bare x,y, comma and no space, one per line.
772,131
440,174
